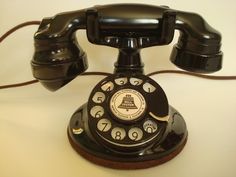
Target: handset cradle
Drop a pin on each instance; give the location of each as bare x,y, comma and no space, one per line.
127,122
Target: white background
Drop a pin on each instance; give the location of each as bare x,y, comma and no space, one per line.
33,121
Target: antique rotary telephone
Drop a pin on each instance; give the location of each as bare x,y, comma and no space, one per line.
127,122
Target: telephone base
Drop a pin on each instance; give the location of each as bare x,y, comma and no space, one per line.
171,143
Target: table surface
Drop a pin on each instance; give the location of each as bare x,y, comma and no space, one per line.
33,121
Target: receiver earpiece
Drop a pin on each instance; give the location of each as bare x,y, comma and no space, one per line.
58,58
198,47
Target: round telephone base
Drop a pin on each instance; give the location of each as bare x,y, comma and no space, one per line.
168,147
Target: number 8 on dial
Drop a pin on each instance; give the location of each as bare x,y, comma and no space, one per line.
118,133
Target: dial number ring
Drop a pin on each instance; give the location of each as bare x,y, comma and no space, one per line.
118,132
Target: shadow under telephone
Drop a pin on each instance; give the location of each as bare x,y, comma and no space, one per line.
127,122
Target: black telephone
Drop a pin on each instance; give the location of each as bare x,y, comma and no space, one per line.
127,122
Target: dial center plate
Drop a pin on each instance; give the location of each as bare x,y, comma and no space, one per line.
127,104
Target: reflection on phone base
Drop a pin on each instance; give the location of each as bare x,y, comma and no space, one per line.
170,143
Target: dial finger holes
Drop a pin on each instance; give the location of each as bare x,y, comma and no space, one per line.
98,97
149,88
108,86
121,81
135,81
118,133
104,125
97,111
150,126
135,134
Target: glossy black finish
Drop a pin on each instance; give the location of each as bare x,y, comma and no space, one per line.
156,102
152,149
58,57
172,139
56,64
198,48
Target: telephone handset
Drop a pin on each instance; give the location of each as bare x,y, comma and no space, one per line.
127,122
